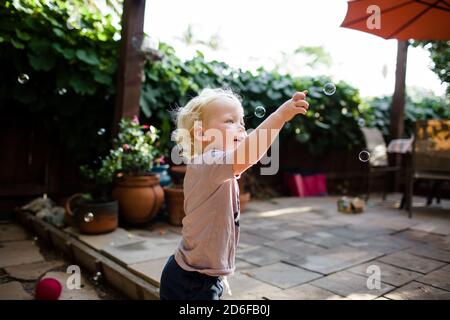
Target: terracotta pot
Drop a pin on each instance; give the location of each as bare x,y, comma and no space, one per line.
91,217
177,173
244,198
174,198
140,197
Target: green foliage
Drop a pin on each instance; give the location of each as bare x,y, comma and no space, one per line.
419,105
440,55
68,52
71,46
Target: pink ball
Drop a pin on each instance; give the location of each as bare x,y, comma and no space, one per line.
48,289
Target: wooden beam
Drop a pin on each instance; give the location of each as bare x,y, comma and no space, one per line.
398,100
131,62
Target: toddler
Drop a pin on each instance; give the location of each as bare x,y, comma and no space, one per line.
211,133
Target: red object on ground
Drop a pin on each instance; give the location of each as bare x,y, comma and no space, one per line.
48,289
304,186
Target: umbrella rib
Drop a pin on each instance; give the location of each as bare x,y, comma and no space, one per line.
436,6
383,11
430,6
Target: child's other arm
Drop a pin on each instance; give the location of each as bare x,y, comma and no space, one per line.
262,137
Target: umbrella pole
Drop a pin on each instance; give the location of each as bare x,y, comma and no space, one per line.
398,101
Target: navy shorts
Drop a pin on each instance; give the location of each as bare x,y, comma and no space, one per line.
179,284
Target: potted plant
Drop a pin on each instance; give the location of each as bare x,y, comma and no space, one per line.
136,188
94,212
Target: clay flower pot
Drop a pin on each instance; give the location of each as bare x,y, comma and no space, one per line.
174,198
91,217
140,197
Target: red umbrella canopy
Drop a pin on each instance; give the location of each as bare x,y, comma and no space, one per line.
400,19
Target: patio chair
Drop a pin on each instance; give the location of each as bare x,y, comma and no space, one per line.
430,156
378,161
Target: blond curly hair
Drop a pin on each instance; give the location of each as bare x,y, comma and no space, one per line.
186,116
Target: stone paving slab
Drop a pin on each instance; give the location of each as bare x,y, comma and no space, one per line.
282,275
359,232
389,274
133,253
150,270
384,244
294,246
412,262
157,237
19,252
429,251
304,292
12,232
324,239
118,237
242,265
439,278
421,236
418,291
249,240
351,286
333,260
443,244
244,287
13,290
263,256
437,227
32,271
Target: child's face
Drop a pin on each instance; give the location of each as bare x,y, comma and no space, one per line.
227,117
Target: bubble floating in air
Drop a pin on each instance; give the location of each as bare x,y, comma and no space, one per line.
364,156
101,131
329,88
23,78
89,217
260,111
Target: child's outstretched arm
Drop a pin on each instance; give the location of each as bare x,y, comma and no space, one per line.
252,147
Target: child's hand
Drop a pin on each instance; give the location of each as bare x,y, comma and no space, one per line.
296,105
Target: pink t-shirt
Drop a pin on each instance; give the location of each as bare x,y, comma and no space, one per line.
210,231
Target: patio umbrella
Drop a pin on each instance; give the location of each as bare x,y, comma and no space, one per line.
401,19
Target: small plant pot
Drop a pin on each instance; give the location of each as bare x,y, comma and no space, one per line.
162,171
174,198
177,173
91,217
140,197
244,198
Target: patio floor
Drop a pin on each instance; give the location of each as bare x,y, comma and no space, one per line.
302,248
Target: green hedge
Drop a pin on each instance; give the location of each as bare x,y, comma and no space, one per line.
72,70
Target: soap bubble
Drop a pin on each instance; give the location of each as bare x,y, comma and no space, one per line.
97,277
364,156
62,91
89,217
101,131
260,111
329,88
361,122
297,130
23,78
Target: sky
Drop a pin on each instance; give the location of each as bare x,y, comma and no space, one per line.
253,33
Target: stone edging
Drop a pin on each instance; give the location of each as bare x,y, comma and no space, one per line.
117,276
